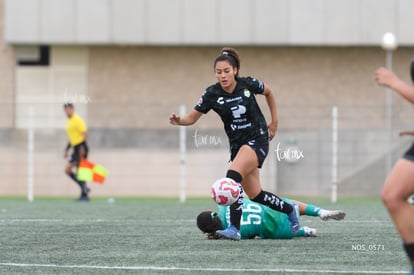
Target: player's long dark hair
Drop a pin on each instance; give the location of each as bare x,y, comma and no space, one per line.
208,222
230,55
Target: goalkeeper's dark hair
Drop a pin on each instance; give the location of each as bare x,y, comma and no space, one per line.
209,222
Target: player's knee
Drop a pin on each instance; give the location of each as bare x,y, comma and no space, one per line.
392,199
385,198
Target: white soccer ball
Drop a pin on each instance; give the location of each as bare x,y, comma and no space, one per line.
225,191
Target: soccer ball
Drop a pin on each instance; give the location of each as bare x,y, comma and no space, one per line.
225,191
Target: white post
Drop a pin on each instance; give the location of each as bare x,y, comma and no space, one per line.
389,44
30,154
388,61
334,194
273,170
183,164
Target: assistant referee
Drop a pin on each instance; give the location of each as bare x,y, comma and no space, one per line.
77,132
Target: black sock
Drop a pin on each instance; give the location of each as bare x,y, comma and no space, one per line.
273,201
236,209
73,176
234,175
84,188
81,184
409,249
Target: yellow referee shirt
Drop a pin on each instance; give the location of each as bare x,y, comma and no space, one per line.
76,129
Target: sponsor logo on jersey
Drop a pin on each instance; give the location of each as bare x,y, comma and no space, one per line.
239,98
246,93
238,110
240,127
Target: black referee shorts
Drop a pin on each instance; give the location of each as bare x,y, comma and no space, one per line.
75,157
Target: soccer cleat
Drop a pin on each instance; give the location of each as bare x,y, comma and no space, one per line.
310,232
331,215
294,219
231,233
84,199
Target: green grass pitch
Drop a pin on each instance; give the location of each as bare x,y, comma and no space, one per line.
159,236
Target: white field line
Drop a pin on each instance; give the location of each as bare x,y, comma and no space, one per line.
138,220
201,269
95,221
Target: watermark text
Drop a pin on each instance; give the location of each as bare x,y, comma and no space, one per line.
206,140
76,98
288,153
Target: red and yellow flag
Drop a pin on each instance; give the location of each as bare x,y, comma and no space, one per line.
88,171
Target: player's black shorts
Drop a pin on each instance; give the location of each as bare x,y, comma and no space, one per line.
409,155
261,148
75,157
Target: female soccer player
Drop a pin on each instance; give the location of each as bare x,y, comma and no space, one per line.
262,222
399,185
233,99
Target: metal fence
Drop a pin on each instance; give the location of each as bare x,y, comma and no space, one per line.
147,161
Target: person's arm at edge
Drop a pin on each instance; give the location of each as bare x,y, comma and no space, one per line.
387,78
186,120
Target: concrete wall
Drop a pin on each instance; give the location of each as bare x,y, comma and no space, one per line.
132,91
368,178
200,22
149,169
7,62
138,87
46,88
126,92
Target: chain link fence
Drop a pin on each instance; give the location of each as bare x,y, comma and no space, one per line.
143,158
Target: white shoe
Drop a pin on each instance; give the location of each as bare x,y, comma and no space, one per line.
294,219
310,232
331,215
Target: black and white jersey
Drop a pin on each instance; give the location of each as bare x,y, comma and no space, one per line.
243,120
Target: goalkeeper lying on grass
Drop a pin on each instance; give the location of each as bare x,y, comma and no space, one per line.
259,221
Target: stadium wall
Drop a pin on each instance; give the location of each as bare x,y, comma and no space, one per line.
126,71
200,22
127,93
7,77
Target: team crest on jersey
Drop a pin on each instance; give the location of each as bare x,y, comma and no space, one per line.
200,101
246,93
